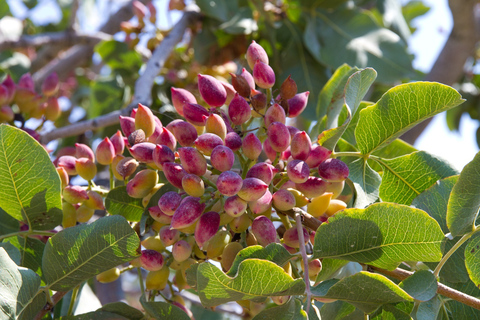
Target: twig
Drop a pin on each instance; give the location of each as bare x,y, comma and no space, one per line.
49,306
66,38
303,252
308,220
442,289
143,85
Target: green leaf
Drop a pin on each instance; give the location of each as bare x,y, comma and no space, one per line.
395,149
31,252
460,310
124,310
99,314
18,288
366,182
106,95
255,279
274,252
8,224
291,310
336,310
4,9
146,219
472,258
400,109
355,89
118,202
30,184
120,58
351,35
81,252
428,310
329,268
373,236
389,312
217,9
421,285
405,177
454,270
14,63
393,19
241,23
366,291
163,310
12,252
464,200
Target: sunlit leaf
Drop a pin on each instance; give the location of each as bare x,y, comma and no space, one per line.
291,310
118,202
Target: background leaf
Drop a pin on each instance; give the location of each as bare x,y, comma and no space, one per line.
118,202
31,252
464,200
421,285
81,252
163,310
366,291
291,310
329,268
336,310
366,182
405,177
255,279
400,109
18,288
373,236
428,310
30,185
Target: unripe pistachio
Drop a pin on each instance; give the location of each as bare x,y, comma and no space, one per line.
235,206
334,206
180,97
291,239
241,85
84,151
157,280
69,215
67,163
143,182
193,185
74,194
333,170
195,113
207,142
262,204
240,224
151,260
269,152
274,114
300,199
288,89
229,183
255,52
185,133
159,216
26,82
6,114
229,253
300,146
336,188
137,136
4,94
319,204
108,276
50,85
145,120
181,250
193,161
127,124
222,158
314,268
297,104
166,138
94,201
298,171
84,213
86,168
278,136
217,243
118,142
313,187
169,202
212,91
233,141
248,76
143,152
174,173
263,75
36,108
317,155
126,167
63,176
187,213
239,110
153,243
280,300
283,200
105,152
26,100
252,189
207,227
215,124
10,85
262,171
251,240
168,236
251,146
264,231
52,109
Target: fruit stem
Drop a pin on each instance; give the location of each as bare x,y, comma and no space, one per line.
285,221
73,298
210,183
457,245
140,280
112,178
303,252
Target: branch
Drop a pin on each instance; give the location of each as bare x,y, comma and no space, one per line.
65,38
308,220
460,45
76,55
444,290
143,85
49,306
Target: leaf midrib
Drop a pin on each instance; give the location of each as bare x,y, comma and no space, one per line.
381,162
